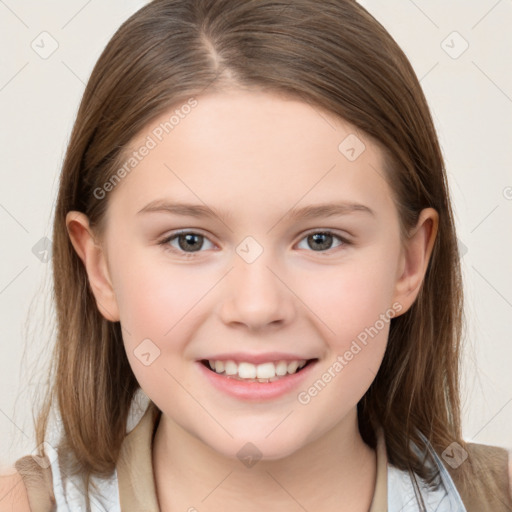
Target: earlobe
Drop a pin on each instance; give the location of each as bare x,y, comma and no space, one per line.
415,258
93,257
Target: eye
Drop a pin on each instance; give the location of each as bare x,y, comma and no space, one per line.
321,241
188,242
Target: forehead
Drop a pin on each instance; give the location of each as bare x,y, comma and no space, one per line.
252,151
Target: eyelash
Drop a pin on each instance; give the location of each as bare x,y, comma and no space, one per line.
164,243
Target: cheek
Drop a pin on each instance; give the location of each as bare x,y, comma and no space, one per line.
153,296
159,306
351,297
354,305
157,312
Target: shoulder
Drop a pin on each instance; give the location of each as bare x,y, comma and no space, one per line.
495,459
28,487
13,494
496,462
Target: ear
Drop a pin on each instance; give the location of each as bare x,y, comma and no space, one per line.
95,263
414,258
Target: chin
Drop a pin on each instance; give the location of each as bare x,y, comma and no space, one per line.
250,448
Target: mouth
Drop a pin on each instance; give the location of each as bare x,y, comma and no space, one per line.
256,383
264,373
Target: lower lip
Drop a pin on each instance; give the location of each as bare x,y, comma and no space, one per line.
256,391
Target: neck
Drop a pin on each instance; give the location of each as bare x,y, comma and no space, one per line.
335,472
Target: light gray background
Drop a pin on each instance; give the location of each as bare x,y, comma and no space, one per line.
470,96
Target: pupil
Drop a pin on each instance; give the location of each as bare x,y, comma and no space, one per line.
319,240
189,239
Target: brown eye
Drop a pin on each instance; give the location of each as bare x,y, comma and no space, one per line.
322,241
189,242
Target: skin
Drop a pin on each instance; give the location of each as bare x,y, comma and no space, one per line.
13,495
258,155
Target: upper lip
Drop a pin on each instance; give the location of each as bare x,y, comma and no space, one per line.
273,357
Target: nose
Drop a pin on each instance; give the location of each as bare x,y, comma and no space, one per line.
256,296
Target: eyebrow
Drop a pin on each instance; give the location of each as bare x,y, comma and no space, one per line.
306,212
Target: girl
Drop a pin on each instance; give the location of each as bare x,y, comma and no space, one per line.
256,276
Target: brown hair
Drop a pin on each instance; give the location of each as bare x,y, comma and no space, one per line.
332,54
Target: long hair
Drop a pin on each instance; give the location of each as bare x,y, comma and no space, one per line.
332,54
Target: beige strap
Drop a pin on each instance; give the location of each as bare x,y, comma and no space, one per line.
497,468
38,481
137,492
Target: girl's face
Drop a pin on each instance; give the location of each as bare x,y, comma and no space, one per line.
254,280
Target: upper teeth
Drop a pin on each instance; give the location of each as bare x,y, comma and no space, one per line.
259,371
